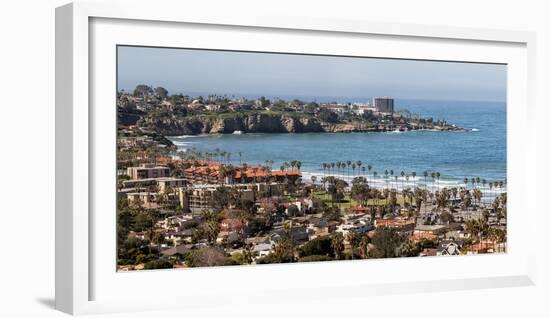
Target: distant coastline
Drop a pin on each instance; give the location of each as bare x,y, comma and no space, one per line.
178,115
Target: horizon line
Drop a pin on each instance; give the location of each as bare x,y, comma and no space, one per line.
249,95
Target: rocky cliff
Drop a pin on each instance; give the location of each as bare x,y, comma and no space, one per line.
257,123
270,123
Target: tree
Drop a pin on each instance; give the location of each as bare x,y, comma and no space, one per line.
292,210
313,179
337,244
419,195
364,245
393,199
386,242
327,115
409,249
142,221
161,92
353,238
360,190
446,217
283,252
318,246
359,163
143,90
222,197
210,231
208,256
425,174
332,214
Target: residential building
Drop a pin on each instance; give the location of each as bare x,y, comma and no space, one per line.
198,197
147,171
383,104
162,183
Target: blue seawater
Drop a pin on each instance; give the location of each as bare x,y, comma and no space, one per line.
478,152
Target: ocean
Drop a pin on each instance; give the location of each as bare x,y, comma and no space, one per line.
478,152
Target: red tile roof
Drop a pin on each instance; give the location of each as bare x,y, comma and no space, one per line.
360,208
212,168
423,236
393,223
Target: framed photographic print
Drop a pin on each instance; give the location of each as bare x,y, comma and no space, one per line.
249,156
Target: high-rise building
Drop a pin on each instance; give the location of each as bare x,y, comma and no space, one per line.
383,104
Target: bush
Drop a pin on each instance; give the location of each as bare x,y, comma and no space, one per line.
327,115
425,243
158,264
318,246
208,256
315,258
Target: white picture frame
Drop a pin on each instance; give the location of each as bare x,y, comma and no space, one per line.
82,57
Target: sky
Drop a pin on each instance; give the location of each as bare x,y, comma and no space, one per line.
202,72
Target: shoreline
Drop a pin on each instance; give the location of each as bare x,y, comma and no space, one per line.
381,182
461,130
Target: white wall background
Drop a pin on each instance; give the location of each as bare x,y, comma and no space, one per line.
27,157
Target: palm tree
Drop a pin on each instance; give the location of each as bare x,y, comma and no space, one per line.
313,179
343,167
402,176
337,244
369,167
414,178
386,192
465,182
472,227
364,245
292,164
353,166
425,173
353,239
359,163
477,196
332,164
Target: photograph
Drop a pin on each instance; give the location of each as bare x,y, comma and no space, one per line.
227,158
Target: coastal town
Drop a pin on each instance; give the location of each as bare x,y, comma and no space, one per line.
195,207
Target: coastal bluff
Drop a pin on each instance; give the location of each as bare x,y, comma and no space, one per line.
264,123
